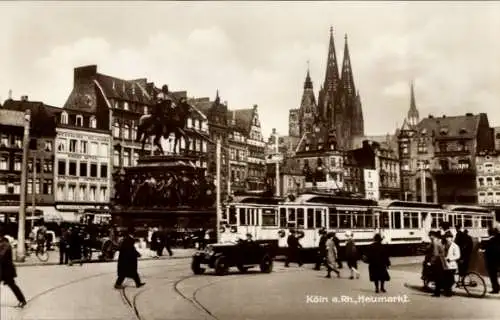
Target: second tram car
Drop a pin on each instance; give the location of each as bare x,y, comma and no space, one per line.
404,225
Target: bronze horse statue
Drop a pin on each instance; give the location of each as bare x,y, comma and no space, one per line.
166,118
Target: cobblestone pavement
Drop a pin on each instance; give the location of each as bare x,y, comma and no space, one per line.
173,292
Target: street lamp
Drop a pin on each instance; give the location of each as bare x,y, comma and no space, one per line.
21,221
217,190
277,163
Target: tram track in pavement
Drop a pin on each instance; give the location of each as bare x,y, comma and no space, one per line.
79,280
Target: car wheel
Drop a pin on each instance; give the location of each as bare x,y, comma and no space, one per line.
242,269
221,266
266,264
196,267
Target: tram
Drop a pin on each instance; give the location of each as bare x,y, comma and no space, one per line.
404,225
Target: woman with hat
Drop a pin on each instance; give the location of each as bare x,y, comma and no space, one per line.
351,254
378,262
331,255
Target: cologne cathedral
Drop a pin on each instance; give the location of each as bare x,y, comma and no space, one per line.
337,110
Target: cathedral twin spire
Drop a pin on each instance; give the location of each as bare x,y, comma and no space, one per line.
339,104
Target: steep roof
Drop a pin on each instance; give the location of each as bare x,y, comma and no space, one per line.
11,118
465,126
243,119
131,90
319,140
202,104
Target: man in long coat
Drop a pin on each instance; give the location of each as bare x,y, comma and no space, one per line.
331,256
127,261
8,270
321,249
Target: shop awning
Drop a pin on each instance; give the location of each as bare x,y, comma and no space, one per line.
48,213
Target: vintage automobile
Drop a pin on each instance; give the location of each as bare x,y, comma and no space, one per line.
243,255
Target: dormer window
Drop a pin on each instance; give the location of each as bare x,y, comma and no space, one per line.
307,147
424,131
125,105
463,131
114,87
64,118
117,105
133,89
79,121
93,122
443,131
145,110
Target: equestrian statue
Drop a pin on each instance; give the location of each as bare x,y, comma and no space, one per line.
166,117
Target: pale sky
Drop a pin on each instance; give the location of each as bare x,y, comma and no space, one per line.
257,52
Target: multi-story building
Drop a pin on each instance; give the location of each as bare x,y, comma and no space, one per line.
40,164
371,184
294,123
291,177
216,113
118,104
247,123
438,155
353,172
320,160
488,178
238,150
496,132
82,162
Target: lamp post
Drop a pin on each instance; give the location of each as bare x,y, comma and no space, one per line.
217,186
22,206
277,164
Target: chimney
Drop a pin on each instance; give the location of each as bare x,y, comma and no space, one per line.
233,121
24,98
274,130
10,94
255,107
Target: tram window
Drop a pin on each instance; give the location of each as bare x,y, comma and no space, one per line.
406,220
485,222
257,214
282,218
243,220
300,217
396,220
414,220
384,219
467,221
232,215
345,220
434,221
319,223
250,219
269,218
369,220
332,217
291,214
358,220
310,218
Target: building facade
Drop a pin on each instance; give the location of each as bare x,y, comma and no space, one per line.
438,155
488,178
371,184
82,163
320,160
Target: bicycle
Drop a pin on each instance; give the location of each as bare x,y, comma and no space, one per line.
39,250
473,284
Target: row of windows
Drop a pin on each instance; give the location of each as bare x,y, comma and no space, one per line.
46,165
82,192
82,169
41,186
11,141
346,219
83,147
488,167
10,188
488,181
78,120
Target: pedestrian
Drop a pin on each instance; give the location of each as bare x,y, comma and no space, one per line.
331,255
351,254
491,248
158,241
465,243
7,268
64,246
452,255
167,240
75,247
437,262
293,250
41,238
128,261
150,237
321,256
378,263
336,241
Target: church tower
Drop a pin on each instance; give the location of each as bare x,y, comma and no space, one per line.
413,117
308,112
329,91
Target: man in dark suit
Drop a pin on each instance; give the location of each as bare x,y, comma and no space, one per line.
7,268
294,246
321,249
128,261
491,249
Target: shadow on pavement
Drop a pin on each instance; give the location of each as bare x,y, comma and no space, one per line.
460,293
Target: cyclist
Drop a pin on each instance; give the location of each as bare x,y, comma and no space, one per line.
41,238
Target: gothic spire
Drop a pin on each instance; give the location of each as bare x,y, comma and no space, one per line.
217,98
347,77
413,116
332,69
308,83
